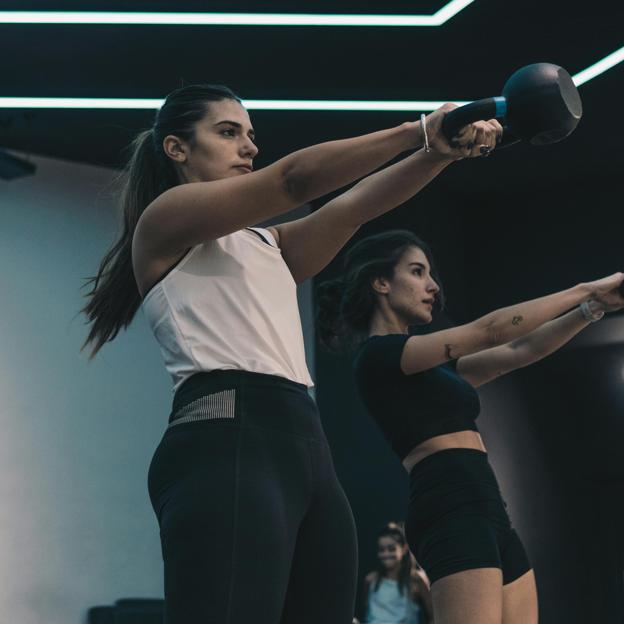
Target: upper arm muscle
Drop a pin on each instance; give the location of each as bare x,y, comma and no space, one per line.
189,214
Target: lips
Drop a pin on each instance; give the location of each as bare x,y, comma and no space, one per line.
247,168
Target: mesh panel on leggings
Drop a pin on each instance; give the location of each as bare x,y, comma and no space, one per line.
210,407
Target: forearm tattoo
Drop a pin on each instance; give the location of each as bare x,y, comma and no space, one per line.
516,320
448,350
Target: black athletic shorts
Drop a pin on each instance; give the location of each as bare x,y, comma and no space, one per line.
457,518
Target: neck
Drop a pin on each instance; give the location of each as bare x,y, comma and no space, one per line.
386,322
393,573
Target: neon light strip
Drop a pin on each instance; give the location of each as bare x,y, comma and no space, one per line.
301,105
599,68
88,103
285,105
231,19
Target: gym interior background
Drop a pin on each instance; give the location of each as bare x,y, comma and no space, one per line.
77,529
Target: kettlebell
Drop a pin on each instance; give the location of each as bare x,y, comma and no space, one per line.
540,104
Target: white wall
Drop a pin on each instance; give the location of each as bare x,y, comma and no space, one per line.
76,437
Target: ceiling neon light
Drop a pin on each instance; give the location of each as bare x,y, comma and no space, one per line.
439,18
152,104
287,105
599,68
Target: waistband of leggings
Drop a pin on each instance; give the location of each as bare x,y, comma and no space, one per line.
449,457
201,384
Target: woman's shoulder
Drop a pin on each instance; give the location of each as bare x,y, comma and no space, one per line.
388,343
380,353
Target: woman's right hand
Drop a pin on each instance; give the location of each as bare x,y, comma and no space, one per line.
606,292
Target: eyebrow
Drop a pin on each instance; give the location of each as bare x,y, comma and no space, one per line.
420,264
252,132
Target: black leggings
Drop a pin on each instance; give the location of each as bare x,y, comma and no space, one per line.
457,518
253,522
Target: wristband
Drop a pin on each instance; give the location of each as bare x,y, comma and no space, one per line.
587,313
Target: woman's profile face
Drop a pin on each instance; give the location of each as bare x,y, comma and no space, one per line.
411,290
223,145
389,552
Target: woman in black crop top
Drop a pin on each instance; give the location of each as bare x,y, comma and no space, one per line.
421,391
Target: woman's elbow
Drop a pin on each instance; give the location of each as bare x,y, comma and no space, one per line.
295,184
491,334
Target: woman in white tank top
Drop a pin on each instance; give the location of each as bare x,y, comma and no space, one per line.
254,525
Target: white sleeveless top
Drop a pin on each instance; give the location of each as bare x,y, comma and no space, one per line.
388,606
230,303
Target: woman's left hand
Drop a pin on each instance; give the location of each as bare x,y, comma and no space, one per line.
476,139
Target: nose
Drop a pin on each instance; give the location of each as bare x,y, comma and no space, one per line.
433,287
249,149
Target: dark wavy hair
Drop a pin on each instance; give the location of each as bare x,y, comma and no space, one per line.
113,295
394,531
345,305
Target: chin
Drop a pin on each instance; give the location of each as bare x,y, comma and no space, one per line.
422,320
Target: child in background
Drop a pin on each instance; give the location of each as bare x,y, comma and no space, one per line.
397,591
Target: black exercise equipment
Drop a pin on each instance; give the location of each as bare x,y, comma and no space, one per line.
540,104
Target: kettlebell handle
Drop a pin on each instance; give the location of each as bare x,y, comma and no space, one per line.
488,108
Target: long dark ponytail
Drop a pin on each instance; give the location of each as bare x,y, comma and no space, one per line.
113,295
345,304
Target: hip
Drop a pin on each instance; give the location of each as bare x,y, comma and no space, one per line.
450,480
226,422
244,399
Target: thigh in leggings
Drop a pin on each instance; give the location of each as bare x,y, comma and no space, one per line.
457,519
254,524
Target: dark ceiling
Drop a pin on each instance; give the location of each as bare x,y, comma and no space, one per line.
467,58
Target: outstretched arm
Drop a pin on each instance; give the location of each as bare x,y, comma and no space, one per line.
505,325
310,243
480,368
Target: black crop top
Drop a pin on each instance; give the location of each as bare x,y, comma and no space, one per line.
412,408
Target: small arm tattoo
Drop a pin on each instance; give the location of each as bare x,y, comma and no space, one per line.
448,350
516,320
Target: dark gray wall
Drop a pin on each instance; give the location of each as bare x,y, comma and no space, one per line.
77,436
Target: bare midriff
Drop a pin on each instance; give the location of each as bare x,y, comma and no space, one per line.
459,439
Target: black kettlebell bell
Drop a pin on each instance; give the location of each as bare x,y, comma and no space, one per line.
540,104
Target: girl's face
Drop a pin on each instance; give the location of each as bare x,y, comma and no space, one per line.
411,291
223,145
390,552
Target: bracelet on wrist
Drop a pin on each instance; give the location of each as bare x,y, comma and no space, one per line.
423,125
588,314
